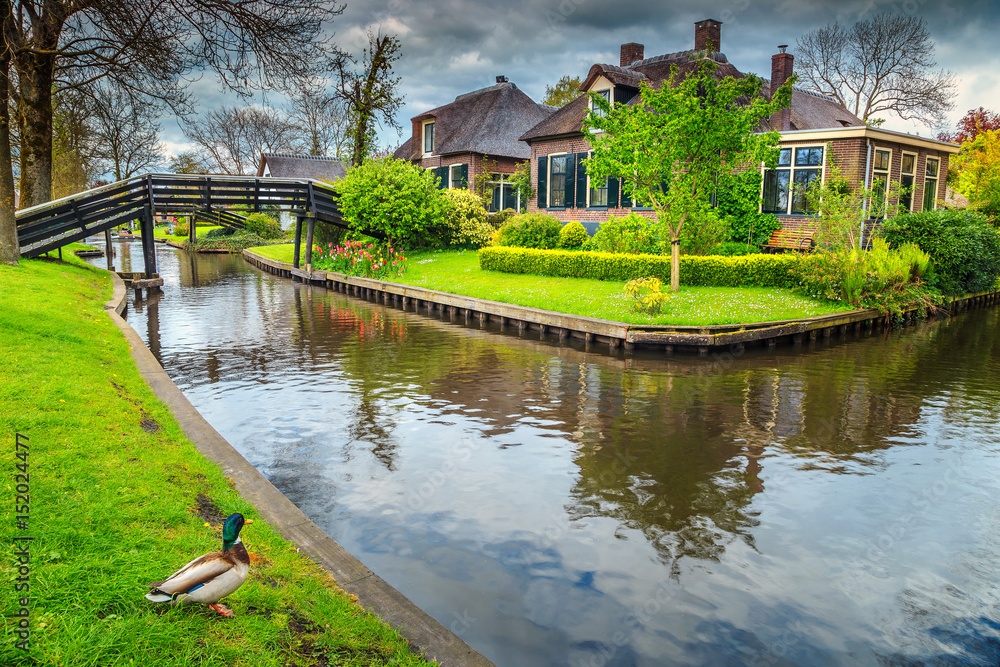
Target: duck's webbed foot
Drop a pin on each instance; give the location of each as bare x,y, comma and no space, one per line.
222,610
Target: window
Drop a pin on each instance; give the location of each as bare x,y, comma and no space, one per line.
906,173
786,186
597,192
557,181
503,195
931,183
428,137
455,177
606,94
880,179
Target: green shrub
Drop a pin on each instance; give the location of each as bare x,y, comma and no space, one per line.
572,235
466,219
529,230
235,242
734,249
497,219
633,234
220,231
263,226
647,294
738,202
883,278
394,198
181,228
702,232
748,271
964,247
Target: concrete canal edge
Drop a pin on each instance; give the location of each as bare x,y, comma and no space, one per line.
435,640
703,339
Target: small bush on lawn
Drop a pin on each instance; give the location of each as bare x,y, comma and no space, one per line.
234,242
220,231
572,235
263,226
963,245
734,249
355,258
466,220
712,271
181,228
883,278
647,294
529,230
633,234
395,198
703,231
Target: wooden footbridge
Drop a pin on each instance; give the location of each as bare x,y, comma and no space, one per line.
142,198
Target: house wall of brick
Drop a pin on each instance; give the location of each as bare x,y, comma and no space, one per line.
849,155
475,162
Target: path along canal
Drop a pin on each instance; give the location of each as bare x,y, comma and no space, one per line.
833,505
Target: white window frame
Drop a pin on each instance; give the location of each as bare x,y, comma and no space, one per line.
452,183
792,168
935,180
913,187
548,185
500,179
887,172
589,188
423,136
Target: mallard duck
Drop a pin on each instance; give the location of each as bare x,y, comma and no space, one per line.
209,578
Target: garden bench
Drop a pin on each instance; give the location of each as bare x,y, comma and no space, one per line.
792,239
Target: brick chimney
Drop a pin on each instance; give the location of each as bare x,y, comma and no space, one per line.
781,71
708,33
630,53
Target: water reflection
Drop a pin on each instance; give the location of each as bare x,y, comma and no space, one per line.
835,506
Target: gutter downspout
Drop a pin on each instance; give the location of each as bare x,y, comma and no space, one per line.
868,176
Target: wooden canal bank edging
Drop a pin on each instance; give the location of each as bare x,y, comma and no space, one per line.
702,339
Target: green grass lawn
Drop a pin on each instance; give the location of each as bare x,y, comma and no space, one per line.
202,230
458,272
119,497
282,252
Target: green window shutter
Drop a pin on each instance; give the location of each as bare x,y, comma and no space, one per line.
626,200
543,182
570,181
465,177
612,192
442,174
581,180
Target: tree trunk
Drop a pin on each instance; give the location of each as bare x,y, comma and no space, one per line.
35,73
675,265
9,248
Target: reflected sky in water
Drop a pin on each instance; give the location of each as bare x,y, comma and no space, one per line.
835,505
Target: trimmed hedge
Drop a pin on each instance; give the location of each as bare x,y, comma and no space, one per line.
707,271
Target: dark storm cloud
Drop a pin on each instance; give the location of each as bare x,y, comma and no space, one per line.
455,46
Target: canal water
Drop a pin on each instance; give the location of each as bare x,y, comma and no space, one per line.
832,505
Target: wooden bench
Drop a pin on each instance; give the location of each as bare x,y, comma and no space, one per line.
792,239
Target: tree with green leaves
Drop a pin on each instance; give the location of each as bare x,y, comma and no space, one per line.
564,92
370,94
977,172
670,149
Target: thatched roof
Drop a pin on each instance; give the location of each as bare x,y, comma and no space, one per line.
488,121
809,111
285,165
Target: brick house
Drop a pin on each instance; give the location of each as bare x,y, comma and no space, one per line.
474,140
812,125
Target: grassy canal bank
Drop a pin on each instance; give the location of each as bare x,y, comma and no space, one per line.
120,497
458,272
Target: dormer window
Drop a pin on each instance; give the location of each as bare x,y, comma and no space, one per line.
606,94
428,137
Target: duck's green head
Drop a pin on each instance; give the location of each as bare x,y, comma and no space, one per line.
231,530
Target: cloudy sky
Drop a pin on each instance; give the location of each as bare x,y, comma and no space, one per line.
450,47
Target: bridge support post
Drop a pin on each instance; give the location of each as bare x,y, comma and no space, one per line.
109,250
298,241
309,242
148,247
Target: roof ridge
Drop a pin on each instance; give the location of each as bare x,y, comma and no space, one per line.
496,86
301,157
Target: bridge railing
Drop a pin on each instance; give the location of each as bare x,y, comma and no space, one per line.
56,223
